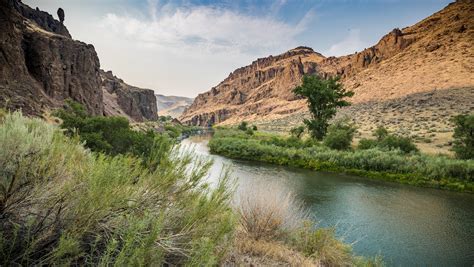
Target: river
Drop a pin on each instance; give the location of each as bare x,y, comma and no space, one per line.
408,226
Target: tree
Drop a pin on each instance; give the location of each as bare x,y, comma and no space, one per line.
324,96
61,15
464,136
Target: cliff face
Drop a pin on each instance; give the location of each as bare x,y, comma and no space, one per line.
41,66
260,88
436,53
121,99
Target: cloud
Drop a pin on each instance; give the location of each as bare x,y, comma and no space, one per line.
206,29
350,44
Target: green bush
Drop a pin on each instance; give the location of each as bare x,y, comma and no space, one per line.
243,126
404,144
297,131
340,135
365,143
111,135
62,204
464,136
380,133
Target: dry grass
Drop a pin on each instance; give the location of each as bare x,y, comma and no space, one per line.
269,211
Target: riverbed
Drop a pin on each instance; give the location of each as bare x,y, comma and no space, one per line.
406,225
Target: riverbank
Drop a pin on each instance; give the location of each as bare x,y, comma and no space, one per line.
390,165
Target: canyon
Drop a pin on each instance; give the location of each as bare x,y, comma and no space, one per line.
433,57
41,65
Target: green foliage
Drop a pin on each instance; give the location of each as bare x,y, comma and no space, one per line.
324,96
365,143
254,128
111,135
61,204
380,133
165,118
322,244
392,142
464,136
340,135
243,126
249,131
386,141
377,162
297,131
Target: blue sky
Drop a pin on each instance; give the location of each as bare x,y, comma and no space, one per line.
184,47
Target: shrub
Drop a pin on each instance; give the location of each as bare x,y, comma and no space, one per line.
464,136
242,126
380,133
111,135
340,135
64,205
254,128
397,142
367,143
297,131
249,131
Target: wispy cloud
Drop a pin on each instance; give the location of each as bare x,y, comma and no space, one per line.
350,44
207,29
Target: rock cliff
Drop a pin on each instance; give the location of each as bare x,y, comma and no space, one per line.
41,66
121,99
436,53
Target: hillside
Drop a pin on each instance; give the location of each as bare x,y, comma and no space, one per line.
172,105
432,57
41,66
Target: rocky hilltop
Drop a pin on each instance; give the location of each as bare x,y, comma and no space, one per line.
434,54
172,105
41,66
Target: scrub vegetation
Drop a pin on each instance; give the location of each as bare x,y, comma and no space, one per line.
388,157
66,202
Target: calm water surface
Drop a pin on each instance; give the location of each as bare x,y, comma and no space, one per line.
408,226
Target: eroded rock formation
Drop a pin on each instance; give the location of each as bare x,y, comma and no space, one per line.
41,66
436,53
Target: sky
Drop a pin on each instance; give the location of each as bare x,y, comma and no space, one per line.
185,47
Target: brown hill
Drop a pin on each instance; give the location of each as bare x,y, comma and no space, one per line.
172,105
41,66
434,54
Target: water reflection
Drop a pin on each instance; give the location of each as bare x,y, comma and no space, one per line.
407,225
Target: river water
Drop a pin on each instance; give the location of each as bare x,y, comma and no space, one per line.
408,226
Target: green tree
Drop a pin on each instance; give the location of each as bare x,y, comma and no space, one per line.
324,96
464,136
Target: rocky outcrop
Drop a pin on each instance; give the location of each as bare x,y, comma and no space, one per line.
122,99
436,53
41,66
255,89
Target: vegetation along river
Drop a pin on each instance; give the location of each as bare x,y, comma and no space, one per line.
408,226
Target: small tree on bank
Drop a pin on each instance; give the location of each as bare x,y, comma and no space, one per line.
324,96
464,136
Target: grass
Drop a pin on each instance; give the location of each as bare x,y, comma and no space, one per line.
392,165
62,204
